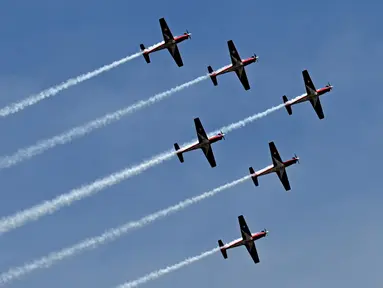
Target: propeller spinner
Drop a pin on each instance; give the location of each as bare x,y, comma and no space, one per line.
296,157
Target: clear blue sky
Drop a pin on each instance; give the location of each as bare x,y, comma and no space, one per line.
326,231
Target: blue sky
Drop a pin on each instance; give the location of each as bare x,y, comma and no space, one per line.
327,230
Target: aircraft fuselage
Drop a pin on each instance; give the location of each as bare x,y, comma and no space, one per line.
271,168
240,242
231,67
306,97
204,142
168,44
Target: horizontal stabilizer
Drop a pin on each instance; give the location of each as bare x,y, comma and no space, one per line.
180,156
288,107
212,77
223,250
255,178
146,56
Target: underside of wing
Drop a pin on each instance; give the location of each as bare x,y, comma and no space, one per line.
208,151
274,153
234,55
201,134
242,76
317,107
253,252
245,231
309,85
166,33
173,50
282,175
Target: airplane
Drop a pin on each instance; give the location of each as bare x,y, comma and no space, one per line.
238,66
204,143
169,43
278,167
248,240
312,95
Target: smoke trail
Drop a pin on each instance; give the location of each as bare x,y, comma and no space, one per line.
68,136
51,206
110,235
18,106
167,270
250,119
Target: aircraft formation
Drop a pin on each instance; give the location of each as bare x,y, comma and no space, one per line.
278,166
204,142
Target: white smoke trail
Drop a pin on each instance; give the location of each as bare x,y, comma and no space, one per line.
110,235
49,207
250,119
18,106
68,136
167,270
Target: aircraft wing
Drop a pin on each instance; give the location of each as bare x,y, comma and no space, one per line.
284,179
166,33
274,153
208,151
201,134
317,107
245,231
235,58
309,85
241,73
173,50
246,235
253,251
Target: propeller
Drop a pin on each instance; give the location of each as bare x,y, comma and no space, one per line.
265,230
187,33
256,57
223,135
328,84
296,157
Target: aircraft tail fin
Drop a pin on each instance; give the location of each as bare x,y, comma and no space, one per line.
179,154
254,178
223,250
146,56
212,77
288,107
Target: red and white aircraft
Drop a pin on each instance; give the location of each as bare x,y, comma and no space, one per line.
278,167
204,143
312,95
247,240
238,66
169,43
